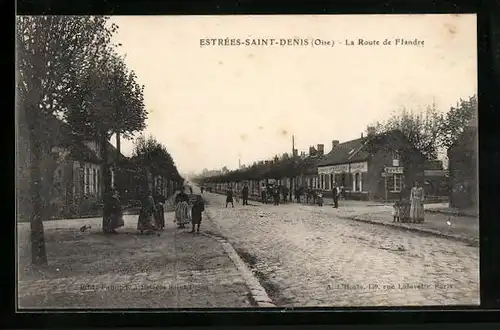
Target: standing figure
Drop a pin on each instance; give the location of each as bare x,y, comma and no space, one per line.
404,204
229,197
112,213
417,203
284,192
181,209
202,188
160,210
145,222
263,195
244,193
276,195
335,194
197,210
396,212
190,190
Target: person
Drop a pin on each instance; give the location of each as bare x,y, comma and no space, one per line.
202,188
335,195
284,192
181,209
276,194
244,193
229,197
112,213
263,195
145,222
160,210
417,203
190,190
396,212
196,213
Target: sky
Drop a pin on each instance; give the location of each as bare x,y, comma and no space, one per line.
215,106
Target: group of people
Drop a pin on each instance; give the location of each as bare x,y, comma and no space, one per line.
230,196
152,213
187,211
411,208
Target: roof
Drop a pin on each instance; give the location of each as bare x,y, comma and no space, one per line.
358,150
350,151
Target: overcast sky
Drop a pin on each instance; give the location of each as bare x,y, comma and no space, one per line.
213,105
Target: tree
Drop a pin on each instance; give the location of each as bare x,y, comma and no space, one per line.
52,52
110,101
149,153
456,120
422,130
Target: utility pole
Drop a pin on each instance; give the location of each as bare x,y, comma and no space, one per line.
239,163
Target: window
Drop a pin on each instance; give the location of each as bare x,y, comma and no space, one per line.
97,183
397,183
395,158
357,182
327,181
87,180
322,184
94,180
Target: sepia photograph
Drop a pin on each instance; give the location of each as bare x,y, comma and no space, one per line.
246,161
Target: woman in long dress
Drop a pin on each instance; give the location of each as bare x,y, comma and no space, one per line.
417,204
112,213
182,209
145,222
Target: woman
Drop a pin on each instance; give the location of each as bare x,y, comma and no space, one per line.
160,210
112,213
229,197
404,204
417,203
181,209
145,222
198,208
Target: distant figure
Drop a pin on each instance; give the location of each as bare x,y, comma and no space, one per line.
229,197
244,193
276,195
417,203
335,194
190,190
196,213
202,188
284,192
263,195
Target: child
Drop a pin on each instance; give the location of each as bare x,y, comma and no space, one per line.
396,212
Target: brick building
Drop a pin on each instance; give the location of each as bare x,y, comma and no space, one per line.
375,167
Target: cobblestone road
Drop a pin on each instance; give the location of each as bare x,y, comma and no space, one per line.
91,270
311,258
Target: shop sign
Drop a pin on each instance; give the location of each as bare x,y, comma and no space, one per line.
344,168
394,170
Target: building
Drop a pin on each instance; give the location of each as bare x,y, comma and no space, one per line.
375,167
71,174
463,169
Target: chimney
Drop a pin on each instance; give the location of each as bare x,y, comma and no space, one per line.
321,149
370,130
335,143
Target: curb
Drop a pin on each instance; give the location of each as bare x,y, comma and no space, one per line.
463,239
455,214
257,292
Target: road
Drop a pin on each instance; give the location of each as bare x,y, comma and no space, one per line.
306,256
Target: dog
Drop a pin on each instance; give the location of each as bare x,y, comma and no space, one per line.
85,228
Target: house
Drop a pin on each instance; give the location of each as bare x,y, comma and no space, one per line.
463,169
375,167
71,174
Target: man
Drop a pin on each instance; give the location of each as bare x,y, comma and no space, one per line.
244,193
202,188
335,193
196,213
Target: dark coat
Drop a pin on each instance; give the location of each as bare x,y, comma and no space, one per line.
196,211
244,191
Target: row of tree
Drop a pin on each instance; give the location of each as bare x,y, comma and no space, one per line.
430,132
67,66
151,154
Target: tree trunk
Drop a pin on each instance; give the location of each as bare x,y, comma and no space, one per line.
118,146
106,176
38,252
